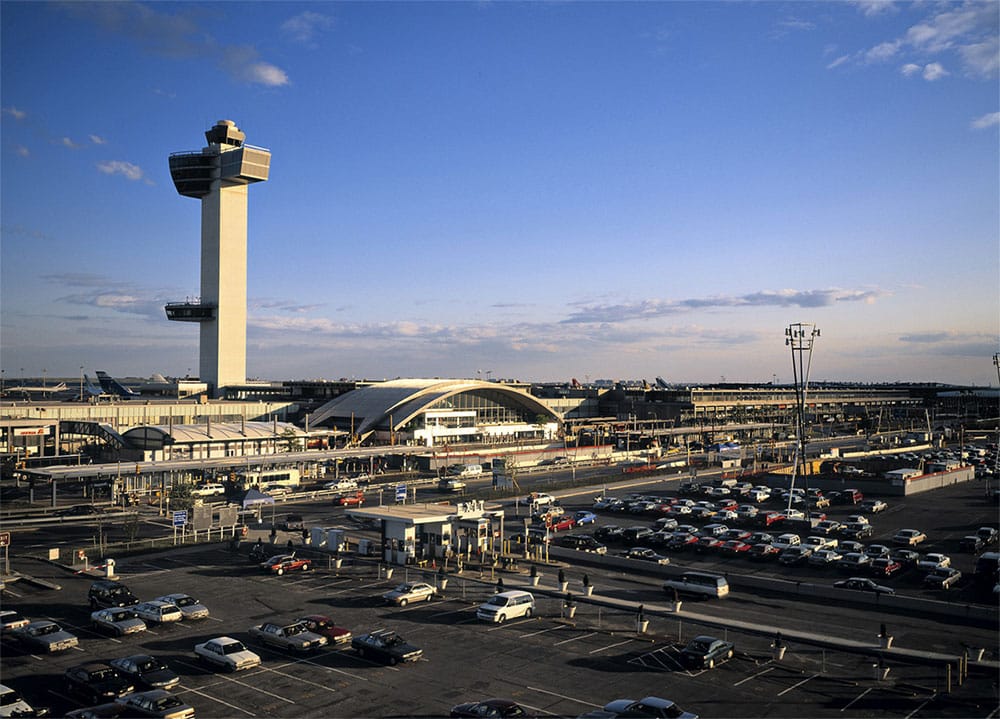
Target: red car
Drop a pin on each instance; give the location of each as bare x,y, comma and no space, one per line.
281,563
350,500
885,567
324,626
772,518
564,522
735,547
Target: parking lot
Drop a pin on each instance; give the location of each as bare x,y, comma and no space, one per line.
550,664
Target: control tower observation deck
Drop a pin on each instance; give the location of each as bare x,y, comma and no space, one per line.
219,176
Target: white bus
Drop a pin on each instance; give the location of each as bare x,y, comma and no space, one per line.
275,477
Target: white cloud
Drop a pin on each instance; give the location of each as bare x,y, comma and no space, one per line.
68,142
966,30
882,52
910,69
987,120
305,26
15,113
871,8
98,140
22,151
934,71
266,74
119,167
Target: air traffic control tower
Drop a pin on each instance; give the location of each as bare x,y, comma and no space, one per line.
219,176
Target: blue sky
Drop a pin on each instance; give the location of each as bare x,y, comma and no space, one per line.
528,190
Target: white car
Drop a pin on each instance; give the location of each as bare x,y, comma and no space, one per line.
118,620
226,653
540,498
208,490
158,612
10,620
342,485
909,537
12,705
933,561
190,607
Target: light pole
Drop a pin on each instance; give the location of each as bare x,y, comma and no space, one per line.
800,337
81,383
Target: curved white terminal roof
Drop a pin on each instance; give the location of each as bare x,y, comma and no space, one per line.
403,399
215,432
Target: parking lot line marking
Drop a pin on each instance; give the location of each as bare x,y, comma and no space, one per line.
754,676
262,691
542,631
858,697
925,704
298,679
573,639
453,611
563,696
610,646
334,669
216,699
785,691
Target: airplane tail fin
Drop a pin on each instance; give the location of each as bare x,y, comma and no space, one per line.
112,386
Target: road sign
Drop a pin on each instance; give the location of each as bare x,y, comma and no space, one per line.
180,518
4,539
400,492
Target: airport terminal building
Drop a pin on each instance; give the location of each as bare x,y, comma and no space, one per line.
439,412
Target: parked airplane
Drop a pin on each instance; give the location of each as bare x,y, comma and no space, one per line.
45,391
112,386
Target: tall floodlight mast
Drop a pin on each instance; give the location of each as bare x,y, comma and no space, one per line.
800,337
219,176
996,468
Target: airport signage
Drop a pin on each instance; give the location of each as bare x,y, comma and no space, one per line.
4,539
180,518
400,492
31,431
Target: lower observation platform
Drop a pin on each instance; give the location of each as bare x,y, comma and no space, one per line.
190,312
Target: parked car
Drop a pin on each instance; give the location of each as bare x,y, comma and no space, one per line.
226,653
408,592
384,645
853,562
539,498
864,584
294,637
281,563
705,652
933,561
158,612
942,578
190,607
44,636
874,551
106,593
988,535
971,543
156,703
646,554
827,526
324,626
144,670
906,557
582,543
763,552
11,620
608,533
795,556
561,523
908,537
874,506
633,535
13,704
823,558
885,566
585,517
96,682
648,708
118,620
489,708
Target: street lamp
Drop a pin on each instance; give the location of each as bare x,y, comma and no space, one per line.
800,337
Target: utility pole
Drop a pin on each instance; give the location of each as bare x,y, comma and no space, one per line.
800,337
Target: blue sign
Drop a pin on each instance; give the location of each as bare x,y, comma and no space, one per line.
400,492
180,518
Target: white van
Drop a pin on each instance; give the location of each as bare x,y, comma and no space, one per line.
702,584
506,605
471,470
